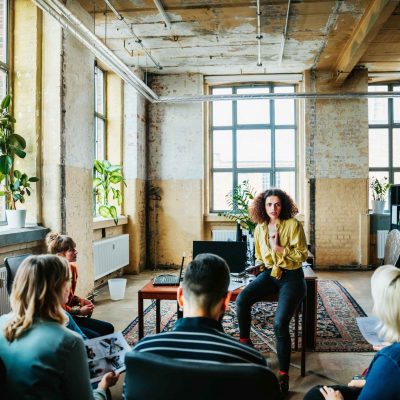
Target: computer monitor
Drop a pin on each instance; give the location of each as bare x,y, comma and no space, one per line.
234,253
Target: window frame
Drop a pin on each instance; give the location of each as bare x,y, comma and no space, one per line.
100,116
272,170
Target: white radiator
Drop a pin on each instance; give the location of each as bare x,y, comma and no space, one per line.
110,254
223,235
4,299
380,243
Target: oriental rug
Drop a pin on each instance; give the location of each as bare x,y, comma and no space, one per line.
337,329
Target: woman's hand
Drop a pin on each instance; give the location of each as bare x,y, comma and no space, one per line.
330,394
108,380
86,310
358,383
276,242
86,302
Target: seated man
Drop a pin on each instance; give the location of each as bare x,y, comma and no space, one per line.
199,336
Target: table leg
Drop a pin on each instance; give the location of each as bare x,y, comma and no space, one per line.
140,315
158,316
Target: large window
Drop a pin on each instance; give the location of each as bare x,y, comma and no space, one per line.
252,140
99,114
384,135
4,68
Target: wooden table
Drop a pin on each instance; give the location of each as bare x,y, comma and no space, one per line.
159,293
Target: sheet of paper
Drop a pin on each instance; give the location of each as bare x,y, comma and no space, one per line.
369,329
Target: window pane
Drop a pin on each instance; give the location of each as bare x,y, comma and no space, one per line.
396,147
3,30
285,148
99,90
396,106
2,208
253,148
286,181
396,180
258,181
100,147
378,108
222,185
380,175
253,111
3,84
378,148
284,109
222,149
222,110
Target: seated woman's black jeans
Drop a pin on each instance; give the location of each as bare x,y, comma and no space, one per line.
292,289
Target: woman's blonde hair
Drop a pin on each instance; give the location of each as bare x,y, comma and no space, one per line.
57,243
36,293
385,288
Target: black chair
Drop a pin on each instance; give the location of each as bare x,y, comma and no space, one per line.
3,380
12,264
150,376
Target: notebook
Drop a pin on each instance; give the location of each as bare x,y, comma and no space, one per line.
169,279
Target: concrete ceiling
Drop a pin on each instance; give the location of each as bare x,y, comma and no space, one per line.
216,38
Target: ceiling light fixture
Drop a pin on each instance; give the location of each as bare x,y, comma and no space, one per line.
259,36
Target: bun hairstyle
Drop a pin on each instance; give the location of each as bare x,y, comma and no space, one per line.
57,243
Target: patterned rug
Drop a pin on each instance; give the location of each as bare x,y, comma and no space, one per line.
337,329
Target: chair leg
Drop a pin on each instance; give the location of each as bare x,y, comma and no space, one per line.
303,337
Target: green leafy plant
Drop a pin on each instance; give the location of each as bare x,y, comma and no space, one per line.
108,176
379,188
16,184
239,200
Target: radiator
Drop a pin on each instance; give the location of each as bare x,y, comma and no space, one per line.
380,243
4,299
223,235
110,254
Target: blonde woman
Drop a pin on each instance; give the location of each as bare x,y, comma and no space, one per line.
42,358
383,378
81,309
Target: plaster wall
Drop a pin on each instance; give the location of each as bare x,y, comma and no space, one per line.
175,166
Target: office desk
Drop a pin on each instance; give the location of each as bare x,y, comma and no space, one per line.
159,293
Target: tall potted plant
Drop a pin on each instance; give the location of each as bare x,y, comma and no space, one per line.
379,190
105,184
15,184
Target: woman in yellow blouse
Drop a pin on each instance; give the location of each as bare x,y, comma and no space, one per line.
280,249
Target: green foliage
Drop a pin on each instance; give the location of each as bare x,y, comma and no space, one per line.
107,175
379,188
239,200
16,184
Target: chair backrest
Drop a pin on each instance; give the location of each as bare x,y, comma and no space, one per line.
12,264
392,248
150,376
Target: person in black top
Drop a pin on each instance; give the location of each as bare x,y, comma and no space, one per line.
199,336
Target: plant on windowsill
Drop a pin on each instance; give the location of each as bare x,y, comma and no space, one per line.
379,191
15,185
106,182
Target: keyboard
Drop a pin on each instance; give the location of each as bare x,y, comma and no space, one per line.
166,280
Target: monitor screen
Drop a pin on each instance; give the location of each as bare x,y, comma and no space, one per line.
234,253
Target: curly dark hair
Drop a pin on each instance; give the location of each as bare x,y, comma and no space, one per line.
257,210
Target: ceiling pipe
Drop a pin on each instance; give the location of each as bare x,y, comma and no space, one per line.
73,25
111,7
259,36
284,34
164,15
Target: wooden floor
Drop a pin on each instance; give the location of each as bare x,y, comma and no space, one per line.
322,368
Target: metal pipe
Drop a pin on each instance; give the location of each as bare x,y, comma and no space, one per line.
284,34
73,25
164,15
117,14
259,36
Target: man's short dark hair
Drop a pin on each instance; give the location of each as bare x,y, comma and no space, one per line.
206,280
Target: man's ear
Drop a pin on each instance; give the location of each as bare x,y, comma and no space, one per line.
227,299
179,296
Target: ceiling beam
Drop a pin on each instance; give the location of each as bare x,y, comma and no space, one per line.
370,24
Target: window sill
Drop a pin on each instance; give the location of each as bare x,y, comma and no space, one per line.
30,233
100,222
214,217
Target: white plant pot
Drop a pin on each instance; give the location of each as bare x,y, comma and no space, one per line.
378,206
16,218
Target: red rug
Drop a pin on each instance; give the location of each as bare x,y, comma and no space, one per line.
337,329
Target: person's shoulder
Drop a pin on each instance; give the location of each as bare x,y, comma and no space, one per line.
149,340
392,351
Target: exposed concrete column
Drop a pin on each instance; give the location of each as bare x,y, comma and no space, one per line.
135,174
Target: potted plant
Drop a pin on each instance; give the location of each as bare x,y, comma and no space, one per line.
379,190
107,177
15,184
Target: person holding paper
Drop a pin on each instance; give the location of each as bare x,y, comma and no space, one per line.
43,359
280,249
382,380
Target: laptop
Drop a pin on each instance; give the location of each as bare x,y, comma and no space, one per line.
234,253
169,279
